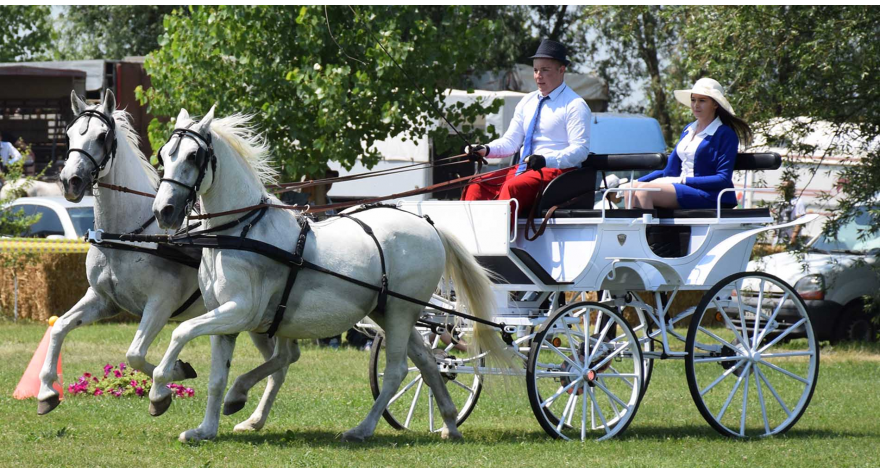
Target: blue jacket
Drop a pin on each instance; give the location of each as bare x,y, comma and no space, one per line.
713,170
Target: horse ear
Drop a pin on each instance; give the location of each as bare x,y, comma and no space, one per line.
77,104
182,119
204,125
109,104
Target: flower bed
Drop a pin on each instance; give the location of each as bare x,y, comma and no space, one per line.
121,381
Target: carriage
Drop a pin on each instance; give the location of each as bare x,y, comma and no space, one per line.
588,363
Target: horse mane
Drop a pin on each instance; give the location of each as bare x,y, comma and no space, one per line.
131,136
237,130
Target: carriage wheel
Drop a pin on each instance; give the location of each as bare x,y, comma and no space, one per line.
584,373
746,374
413,406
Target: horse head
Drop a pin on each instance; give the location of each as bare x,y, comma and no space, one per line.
187,157
91,137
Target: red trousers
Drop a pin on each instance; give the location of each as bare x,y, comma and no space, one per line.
503,185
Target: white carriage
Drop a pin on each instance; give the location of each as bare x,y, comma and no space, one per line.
588,363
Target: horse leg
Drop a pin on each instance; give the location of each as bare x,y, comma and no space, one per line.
396,339
427,365
226,319
152,322
286,353
87,310
222,347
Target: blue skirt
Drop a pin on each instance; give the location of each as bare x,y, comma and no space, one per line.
692,198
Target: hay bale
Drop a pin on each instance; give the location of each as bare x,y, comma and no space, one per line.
50,286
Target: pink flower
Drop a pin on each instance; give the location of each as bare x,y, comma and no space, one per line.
107,369
133,383
122,366
117,373
139,391
98,391
87,375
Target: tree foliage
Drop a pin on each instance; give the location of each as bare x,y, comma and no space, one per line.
109,31
320,88
813,64
25,32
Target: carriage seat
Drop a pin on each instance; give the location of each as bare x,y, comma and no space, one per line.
744,162
582,182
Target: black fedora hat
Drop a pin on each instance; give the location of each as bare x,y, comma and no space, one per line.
552,50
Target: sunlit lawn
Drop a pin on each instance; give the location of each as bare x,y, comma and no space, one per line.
328,392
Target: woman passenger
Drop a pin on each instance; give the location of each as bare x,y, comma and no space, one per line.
702,163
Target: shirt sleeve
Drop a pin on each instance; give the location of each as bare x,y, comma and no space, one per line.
799,209
513,138
577,124
724,159
14,155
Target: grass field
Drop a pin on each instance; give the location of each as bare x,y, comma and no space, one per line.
327,392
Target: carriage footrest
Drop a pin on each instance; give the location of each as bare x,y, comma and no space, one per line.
510,273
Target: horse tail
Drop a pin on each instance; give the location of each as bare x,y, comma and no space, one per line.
473,289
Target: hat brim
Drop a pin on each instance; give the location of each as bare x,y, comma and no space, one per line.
684,97
565,62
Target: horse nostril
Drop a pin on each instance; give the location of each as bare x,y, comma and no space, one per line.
167,212
75,183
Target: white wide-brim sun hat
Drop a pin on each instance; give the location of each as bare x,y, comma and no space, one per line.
707,87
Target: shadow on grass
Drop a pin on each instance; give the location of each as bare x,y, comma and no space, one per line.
326,438
707,433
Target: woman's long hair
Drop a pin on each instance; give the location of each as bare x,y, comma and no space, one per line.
742,129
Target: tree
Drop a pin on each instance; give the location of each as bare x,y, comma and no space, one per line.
111,32
25,32
635,44
804,64
318,84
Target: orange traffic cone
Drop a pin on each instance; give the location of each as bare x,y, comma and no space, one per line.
29,385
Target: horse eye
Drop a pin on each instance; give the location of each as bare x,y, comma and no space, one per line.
191,156
102,136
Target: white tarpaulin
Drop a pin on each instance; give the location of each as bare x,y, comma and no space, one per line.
521,79
94,69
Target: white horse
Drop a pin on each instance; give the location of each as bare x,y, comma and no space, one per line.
242,289
139,283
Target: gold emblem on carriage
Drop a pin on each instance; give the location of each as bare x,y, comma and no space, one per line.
621,238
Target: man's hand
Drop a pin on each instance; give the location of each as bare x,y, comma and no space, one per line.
535,162
481,150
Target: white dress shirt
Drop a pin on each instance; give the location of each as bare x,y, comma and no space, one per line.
562,134
687,147
8,153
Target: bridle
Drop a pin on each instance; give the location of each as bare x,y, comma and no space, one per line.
109,140
204,155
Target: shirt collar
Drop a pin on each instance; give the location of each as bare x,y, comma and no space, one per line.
710,130
554,93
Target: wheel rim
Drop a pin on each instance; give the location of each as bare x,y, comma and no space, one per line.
746,376
413,406
587,387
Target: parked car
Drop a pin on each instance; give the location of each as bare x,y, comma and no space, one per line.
60,218
832,276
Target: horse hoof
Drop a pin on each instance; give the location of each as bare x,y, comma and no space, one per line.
230,408
160,407
47,405
188,371
349,437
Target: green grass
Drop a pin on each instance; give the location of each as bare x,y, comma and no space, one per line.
327,392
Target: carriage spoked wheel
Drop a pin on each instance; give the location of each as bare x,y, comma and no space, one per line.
413,406
753,359
584,373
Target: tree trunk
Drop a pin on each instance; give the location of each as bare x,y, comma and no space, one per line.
648,52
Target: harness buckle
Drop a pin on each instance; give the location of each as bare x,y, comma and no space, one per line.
94,236
297,260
